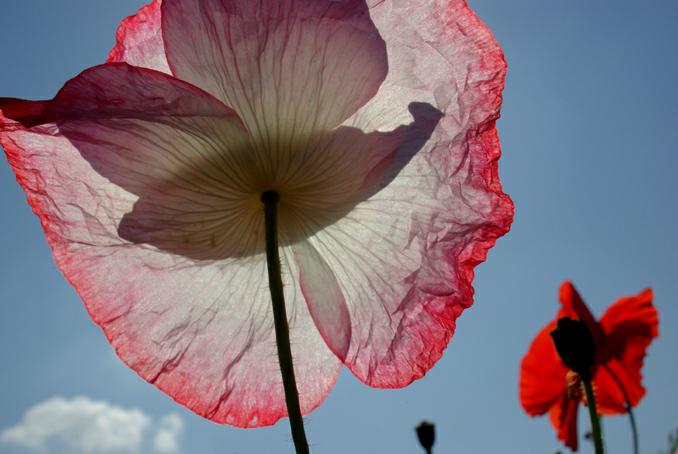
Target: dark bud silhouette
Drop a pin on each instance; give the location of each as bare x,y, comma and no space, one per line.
574,343
426,432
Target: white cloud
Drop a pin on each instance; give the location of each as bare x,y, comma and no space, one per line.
82,425
166,440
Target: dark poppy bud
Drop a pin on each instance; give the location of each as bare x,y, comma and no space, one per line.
574,343
426,432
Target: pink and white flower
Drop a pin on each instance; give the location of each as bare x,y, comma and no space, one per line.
374,121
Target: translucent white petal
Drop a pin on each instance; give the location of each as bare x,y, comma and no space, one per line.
289,68
324,298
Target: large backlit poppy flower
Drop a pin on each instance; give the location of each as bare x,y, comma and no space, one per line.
375,122
621,338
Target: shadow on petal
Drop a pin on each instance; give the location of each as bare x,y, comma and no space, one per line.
337,172
203,203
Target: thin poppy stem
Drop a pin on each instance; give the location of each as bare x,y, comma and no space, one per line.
595,419
629,410
282,330
634,428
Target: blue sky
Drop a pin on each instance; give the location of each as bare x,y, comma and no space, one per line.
590,138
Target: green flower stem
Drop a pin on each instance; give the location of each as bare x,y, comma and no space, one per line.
595,419
282,330
629,410
634,428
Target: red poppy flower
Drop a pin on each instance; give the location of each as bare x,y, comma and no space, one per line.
621,338
373,120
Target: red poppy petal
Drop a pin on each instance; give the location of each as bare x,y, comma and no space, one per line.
542,374
200,330
139,40
289,68
615,386
564,419
630,326
574,307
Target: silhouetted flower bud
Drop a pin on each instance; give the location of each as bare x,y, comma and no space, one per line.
574,343
426,432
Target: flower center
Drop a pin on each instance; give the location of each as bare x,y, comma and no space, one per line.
211,209
573,386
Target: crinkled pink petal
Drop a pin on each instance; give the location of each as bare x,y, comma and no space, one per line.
404,258
139,40
199,329
289,68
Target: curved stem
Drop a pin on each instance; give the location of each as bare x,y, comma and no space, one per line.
629,410
282,331
595,419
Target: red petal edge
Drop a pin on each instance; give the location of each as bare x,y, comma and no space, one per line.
139,40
